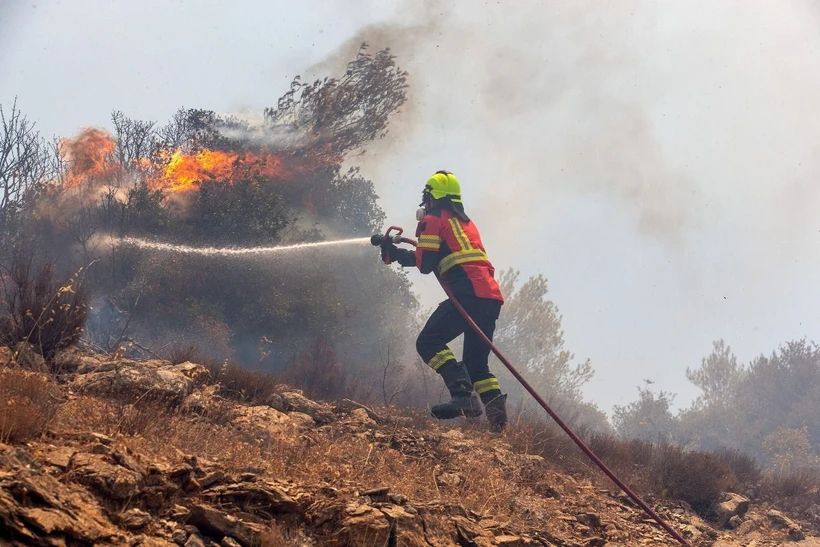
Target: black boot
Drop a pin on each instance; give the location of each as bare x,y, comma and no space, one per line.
496,409
463,401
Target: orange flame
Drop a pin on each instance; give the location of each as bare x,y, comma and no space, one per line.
183,171
88,156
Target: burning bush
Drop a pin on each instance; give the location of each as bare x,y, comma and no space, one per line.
208,179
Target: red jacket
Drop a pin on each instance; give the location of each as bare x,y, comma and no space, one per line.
453,248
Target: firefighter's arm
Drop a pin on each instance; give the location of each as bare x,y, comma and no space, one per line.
404,257
429,243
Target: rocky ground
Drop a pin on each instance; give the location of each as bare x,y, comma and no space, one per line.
155,453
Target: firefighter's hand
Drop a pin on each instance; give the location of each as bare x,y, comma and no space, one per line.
389,251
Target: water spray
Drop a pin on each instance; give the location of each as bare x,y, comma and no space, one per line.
227,251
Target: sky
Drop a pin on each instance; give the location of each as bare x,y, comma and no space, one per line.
657,162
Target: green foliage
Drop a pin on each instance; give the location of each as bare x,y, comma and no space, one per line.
767,409
717,374
648,418
247,211
529,330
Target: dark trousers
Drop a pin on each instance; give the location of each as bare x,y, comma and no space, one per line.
446,324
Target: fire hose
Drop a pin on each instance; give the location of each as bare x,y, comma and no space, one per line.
394,235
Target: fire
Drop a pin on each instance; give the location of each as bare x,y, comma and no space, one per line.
92,159
183,171
88,156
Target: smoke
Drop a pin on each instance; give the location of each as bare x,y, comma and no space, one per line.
256,133
496,89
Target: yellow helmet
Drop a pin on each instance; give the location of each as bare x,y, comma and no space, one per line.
443,184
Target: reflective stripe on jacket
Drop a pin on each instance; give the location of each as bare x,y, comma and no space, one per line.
453,248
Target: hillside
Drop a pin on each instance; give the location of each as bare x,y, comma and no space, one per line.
102,450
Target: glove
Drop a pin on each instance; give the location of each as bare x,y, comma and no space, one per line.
388,252
391,253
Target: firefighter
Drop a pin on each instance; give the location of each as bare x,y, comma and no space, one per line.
449,244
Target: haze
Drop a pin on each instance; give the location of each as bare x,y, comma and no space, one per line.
657,162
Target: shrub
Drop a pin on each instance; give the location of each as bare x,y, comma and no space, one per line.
180,353
743,466
28,402
319,373
667,471
800,483
697,478
39,310
241,384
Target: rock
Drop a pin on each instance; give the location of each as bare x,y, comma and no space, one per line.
302,421
270,496
58,456
363,525
228,541
734,522
406,527
210,479
346,406
28,358
214,522
160,379
203,400
6,355
731,504
449,479
190,370
72,360
590,519
780,520
135,519
508,540
179,536
290,401
263,422
39,510
378,492
194,540
110,479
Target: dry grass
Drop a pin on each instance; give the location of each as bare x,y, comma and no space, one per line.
241,384
38,309
697,478
669,472
158,431
318,372
801,483
28,402
797,492
746,471
180,353
347,459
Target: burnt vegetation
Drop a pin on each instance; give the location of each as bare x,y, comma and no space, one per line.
312,320
208,179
